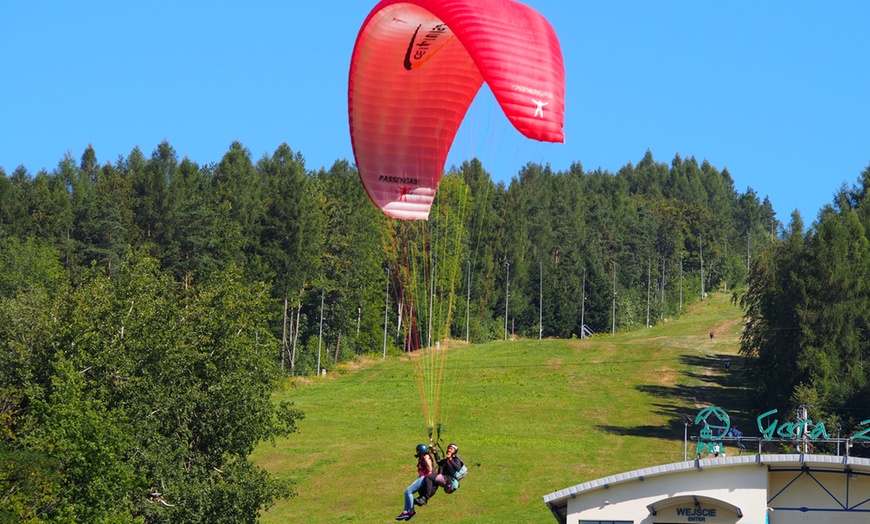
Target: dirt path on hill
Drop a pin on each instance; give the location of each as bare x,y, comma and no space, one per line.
726,337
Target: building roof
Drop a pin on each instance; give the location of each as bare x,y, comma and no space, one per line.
773,461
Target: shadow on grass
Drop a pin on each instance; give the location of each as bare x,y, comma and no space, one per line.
720,385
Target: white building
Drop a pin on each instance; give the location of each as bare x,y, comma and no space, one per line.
756,489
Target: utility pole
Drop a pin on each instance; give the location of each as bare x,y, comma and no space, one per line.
386,311
613,312
664,260
648,286
583,307
320,336
686,422
468,303
507,286
431,301
541,303
748,244
701,256
802,416
681,281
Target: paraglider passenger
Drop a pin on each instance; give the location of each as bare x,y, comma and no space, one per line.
448,467
425,466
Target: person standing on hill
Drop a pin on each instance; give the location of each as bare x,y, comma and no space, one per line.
425,466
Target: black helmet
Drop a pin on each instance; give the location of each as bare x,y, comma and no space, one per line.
422,449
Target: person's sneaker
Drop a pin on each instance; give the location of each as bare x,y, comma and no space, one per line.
420,501
404,516
410,515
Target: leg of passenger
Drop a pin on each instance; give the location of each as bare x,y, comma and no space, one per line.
409,493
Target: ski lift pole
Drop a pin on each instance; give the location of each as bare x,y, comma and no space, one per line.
386,311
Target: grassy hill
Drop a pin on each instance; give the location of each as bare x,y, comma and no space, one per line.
537,415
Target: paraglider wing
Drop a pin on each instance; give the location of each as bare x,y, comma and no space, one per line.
415,69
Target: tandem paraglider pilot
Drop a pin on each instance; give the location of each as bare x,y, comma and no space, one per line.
425,466
450,471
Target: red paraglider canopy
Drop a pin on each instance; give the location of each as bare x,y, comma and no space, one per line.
416,67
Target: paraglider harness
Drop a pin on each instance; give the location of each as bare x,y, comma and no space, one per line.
459,475
455,475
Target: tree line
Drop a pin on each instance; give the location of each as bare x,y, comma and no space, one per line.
149,305
807,338
304,231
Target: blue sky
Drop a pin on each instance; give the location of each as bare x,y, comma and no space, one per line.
775,92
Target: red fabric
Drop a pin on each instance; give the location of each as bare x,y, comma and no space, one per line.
416,67
423,466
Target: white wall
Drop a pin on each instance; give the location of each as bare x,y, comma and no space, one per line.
628,501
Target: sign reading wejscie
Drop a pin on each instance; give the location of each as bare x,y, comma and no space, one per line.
696,514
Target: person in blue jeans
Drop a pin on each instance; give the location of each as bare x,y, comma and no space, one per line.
448,468
425,466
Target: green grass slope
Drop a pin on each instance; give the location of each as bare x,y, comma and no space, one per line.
537,415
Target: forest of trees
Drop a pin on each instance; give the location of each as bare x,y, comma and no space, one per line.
807,340
149,305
